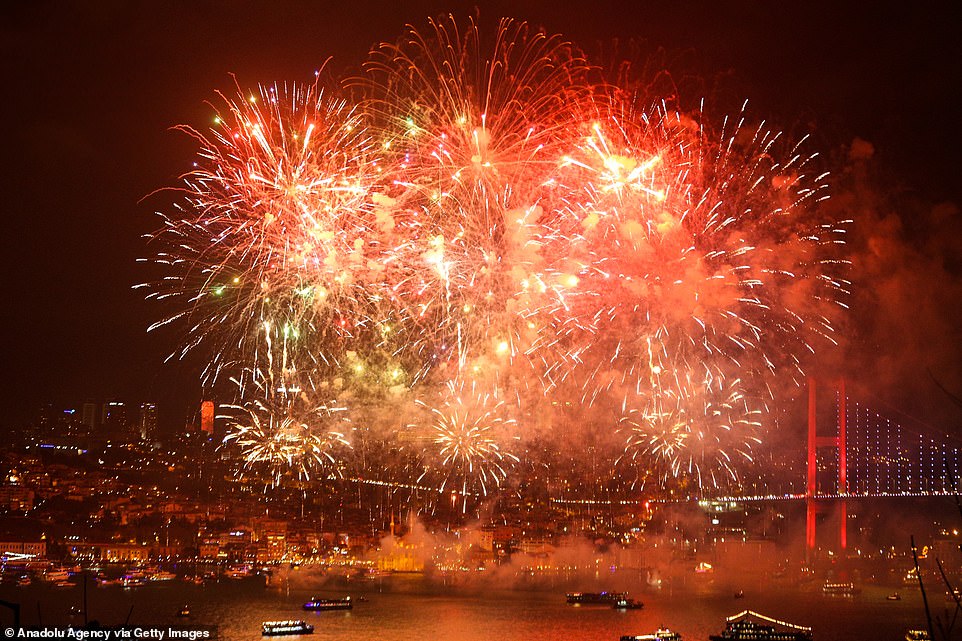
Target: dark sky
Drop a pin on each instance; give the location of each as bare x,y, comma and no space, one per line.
91,90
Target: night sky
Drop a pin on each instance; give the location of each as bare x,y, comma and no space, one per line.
92,89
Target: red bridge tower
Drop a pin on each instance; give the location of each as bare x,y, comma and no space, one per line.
814,442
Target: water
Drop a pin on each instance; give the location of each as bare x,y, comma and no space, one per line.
413,609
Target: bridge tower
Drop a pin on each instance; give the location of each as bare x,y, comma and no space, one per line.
814,443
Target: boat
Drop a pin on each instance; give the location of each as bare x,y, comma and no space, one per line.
917,635
55,575
661,634
64,584
748,625
129,581
704,568
240,571
24,580
135,577
595,598
285,628
953,596
740,594
374,574
162,576
329,604
839,589
184,611
895,596
628,604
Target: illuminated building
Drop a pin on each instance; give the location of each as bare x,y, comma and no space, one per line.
148,420
207,417
115,416
90,415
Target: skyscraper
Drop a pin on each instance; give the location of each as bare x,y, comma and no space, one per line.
90,415
115,416
148,421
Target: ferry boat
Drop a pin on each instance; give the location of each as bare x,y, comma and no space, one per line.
55,575
661,634
135,576
285,628
595,598
132,581
328,604
628,604
917,635
161,575
744,627
240,571
704,568
840,589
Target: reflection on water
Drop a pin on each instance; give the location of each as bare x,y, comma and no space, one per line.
413,609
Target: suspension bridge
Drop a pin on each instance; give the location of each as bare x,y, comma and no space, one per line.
855,451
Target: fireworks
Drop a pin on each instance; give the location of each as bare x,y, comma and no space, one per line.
473,133
278,428
493,213
280,224
691,428
467,441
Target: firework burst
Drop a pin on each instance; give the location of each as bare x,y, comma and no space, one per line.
704,243
279,223
278,427
489,211
467,440
697,273
474,130
701,429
